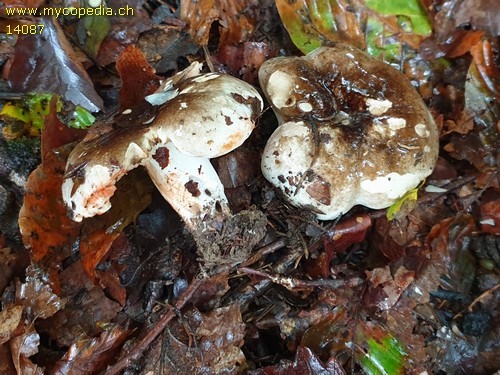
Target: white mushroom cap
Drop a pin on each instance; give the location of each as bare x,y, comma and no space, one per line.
205,116
377,140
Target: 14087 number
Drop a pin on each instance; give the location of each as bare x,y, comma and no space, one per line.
25,29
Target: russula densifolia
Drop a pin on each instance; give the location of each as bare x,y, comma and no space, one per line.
353,130
202,116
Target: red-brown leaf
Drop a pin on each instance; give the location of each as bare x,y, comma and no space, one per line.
88,356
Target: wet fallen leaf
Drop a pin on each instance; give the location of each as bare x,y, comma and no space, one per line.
23,347
138,77
49,64
390,287
86,306
164,46
392,25
7,266
245,60
490,217
449,240
305,363
236,19
124,30
89,356
314,23
6,364
95,29
37,296
380,352
43,221
212,342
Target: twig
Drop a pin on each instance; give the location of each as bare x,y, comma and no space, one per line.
268,249
478,299
156,330
293,283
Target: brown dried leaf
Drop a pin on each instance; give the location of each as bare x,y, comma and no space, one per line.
390,287
86,306
449,244
490,217
89,356
245,60
43,222
138,78
236,19
24,346
214,346
36,296
305,363
49,64
7,266
6,364
10,317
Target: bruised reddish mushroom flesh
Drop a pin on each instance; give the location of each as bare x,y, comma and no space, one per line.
353,130
201,117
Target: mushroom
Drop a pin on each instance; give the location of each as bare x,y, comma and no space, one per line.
353,130
201,116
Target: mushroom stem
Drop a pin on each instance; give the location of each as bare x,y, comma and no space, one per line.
190,184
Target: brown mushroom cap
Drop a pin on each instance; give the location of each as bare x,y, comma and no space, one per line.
362,125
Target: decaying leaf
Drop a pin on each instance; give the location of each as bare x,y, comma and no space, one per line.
212,343
43,221
29,115
89,356
392,25
138,77
315,23
10,317
36,296
24,346
407,202
448,239
391,286
86,306
236,19
305,363
95,29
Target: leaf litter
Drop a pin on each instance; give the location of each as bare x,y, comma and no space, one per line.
359,295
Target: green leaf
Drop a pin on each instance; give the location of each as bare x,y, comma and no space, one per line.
27,116
96,29
315,23
81,118
392,25
31,111
411,10
386,356
395,208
